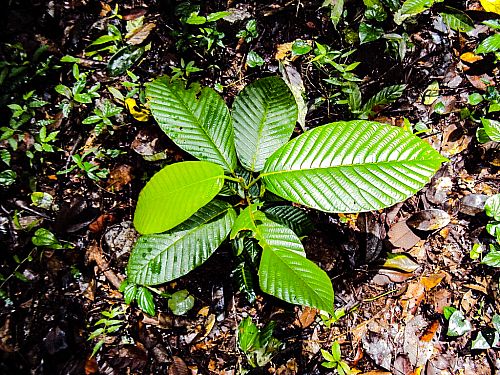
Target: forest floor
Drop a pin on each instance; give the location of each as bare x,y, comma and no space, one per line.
397,273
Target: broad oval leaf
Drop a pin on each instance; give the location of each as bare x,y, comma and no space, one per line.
351,166
265,113
198,122
175,193
285,273
492,129
160,258
490,44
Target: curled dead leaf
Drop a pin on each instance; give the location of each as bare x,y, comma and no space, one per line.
429,220
178,367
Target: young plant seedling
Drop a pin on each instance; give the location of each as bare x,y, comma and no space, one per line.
185,212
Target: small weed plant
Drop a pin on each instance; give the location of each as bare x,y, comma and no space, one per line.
248,169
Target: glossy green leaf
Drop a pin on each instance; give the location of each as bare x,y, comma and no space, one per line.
285,273
175,193
124,59
458,21
384,97
492,259
351,166
197,121
490,44
292,217
247,220
369,33
254,59
492,129
412,7
245,280
492,207
265,113
181,302
145,301
458,325
160,258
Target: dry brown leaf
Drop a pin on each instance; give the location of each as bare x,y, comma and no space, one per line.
429,220
433,280
387,276
178,367
376,373
401,236
140,35
414,295
91,366
430,331
282,50
101,222
479,81
441,298
119,177
306,317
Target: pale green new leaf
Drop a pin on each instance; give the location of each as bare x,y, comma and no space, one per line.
199,122
492,129
265,113
490,44
351,166
285,273
175,193
160,258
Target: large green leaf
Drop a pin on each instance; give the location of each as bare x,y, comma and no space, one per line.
175,193
265,113
159,258
351,167
285,273
490,44
198,122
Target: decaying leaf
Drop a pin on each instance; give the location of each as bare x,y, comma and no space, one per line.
119,177
401,262
139,35
429,220
178,367
294,81
307,316
401,236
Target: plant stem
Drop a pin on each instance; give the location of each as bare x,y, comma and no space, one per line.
253,182
235,179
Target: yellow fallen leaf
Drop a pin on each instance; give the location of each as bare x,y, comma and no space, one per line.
470,57
491,5
139,112
282,50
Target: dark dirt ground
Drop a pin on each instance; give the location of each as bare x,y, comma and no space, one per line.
395,320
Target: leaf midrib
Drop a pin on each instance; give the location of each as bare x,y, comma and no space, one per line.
395,162
259,135
199,123
197,182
